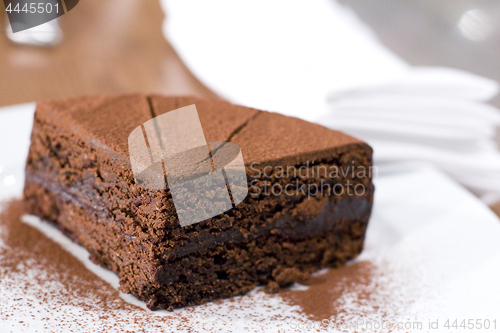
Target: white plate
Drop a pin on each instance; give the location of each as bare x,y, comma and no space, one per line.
438,245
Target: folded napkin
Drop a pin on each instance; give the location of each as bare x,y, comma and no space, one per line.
317,61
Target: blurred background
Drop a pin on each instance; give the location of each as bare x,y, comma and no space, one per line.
462,34
117,46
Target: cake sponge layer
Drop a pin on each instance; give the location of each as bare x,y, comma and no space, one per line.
310,198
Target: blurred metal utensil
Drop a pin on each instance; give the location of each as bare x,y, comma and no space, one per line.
47,34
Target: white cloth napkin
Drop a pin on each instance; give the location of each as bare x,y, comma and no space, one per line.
317,61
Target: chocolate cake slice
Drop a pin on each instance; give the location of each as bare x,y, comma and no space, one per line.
308,204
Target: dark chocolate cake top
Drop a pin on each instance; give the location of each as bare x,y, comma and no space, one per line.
262,136
108,119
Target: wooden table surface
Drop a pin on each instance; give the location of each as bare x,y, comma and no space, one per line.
111,46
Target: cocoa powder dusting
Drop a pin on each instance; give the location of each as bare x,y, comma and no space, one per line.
44,288
322,300
29,247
